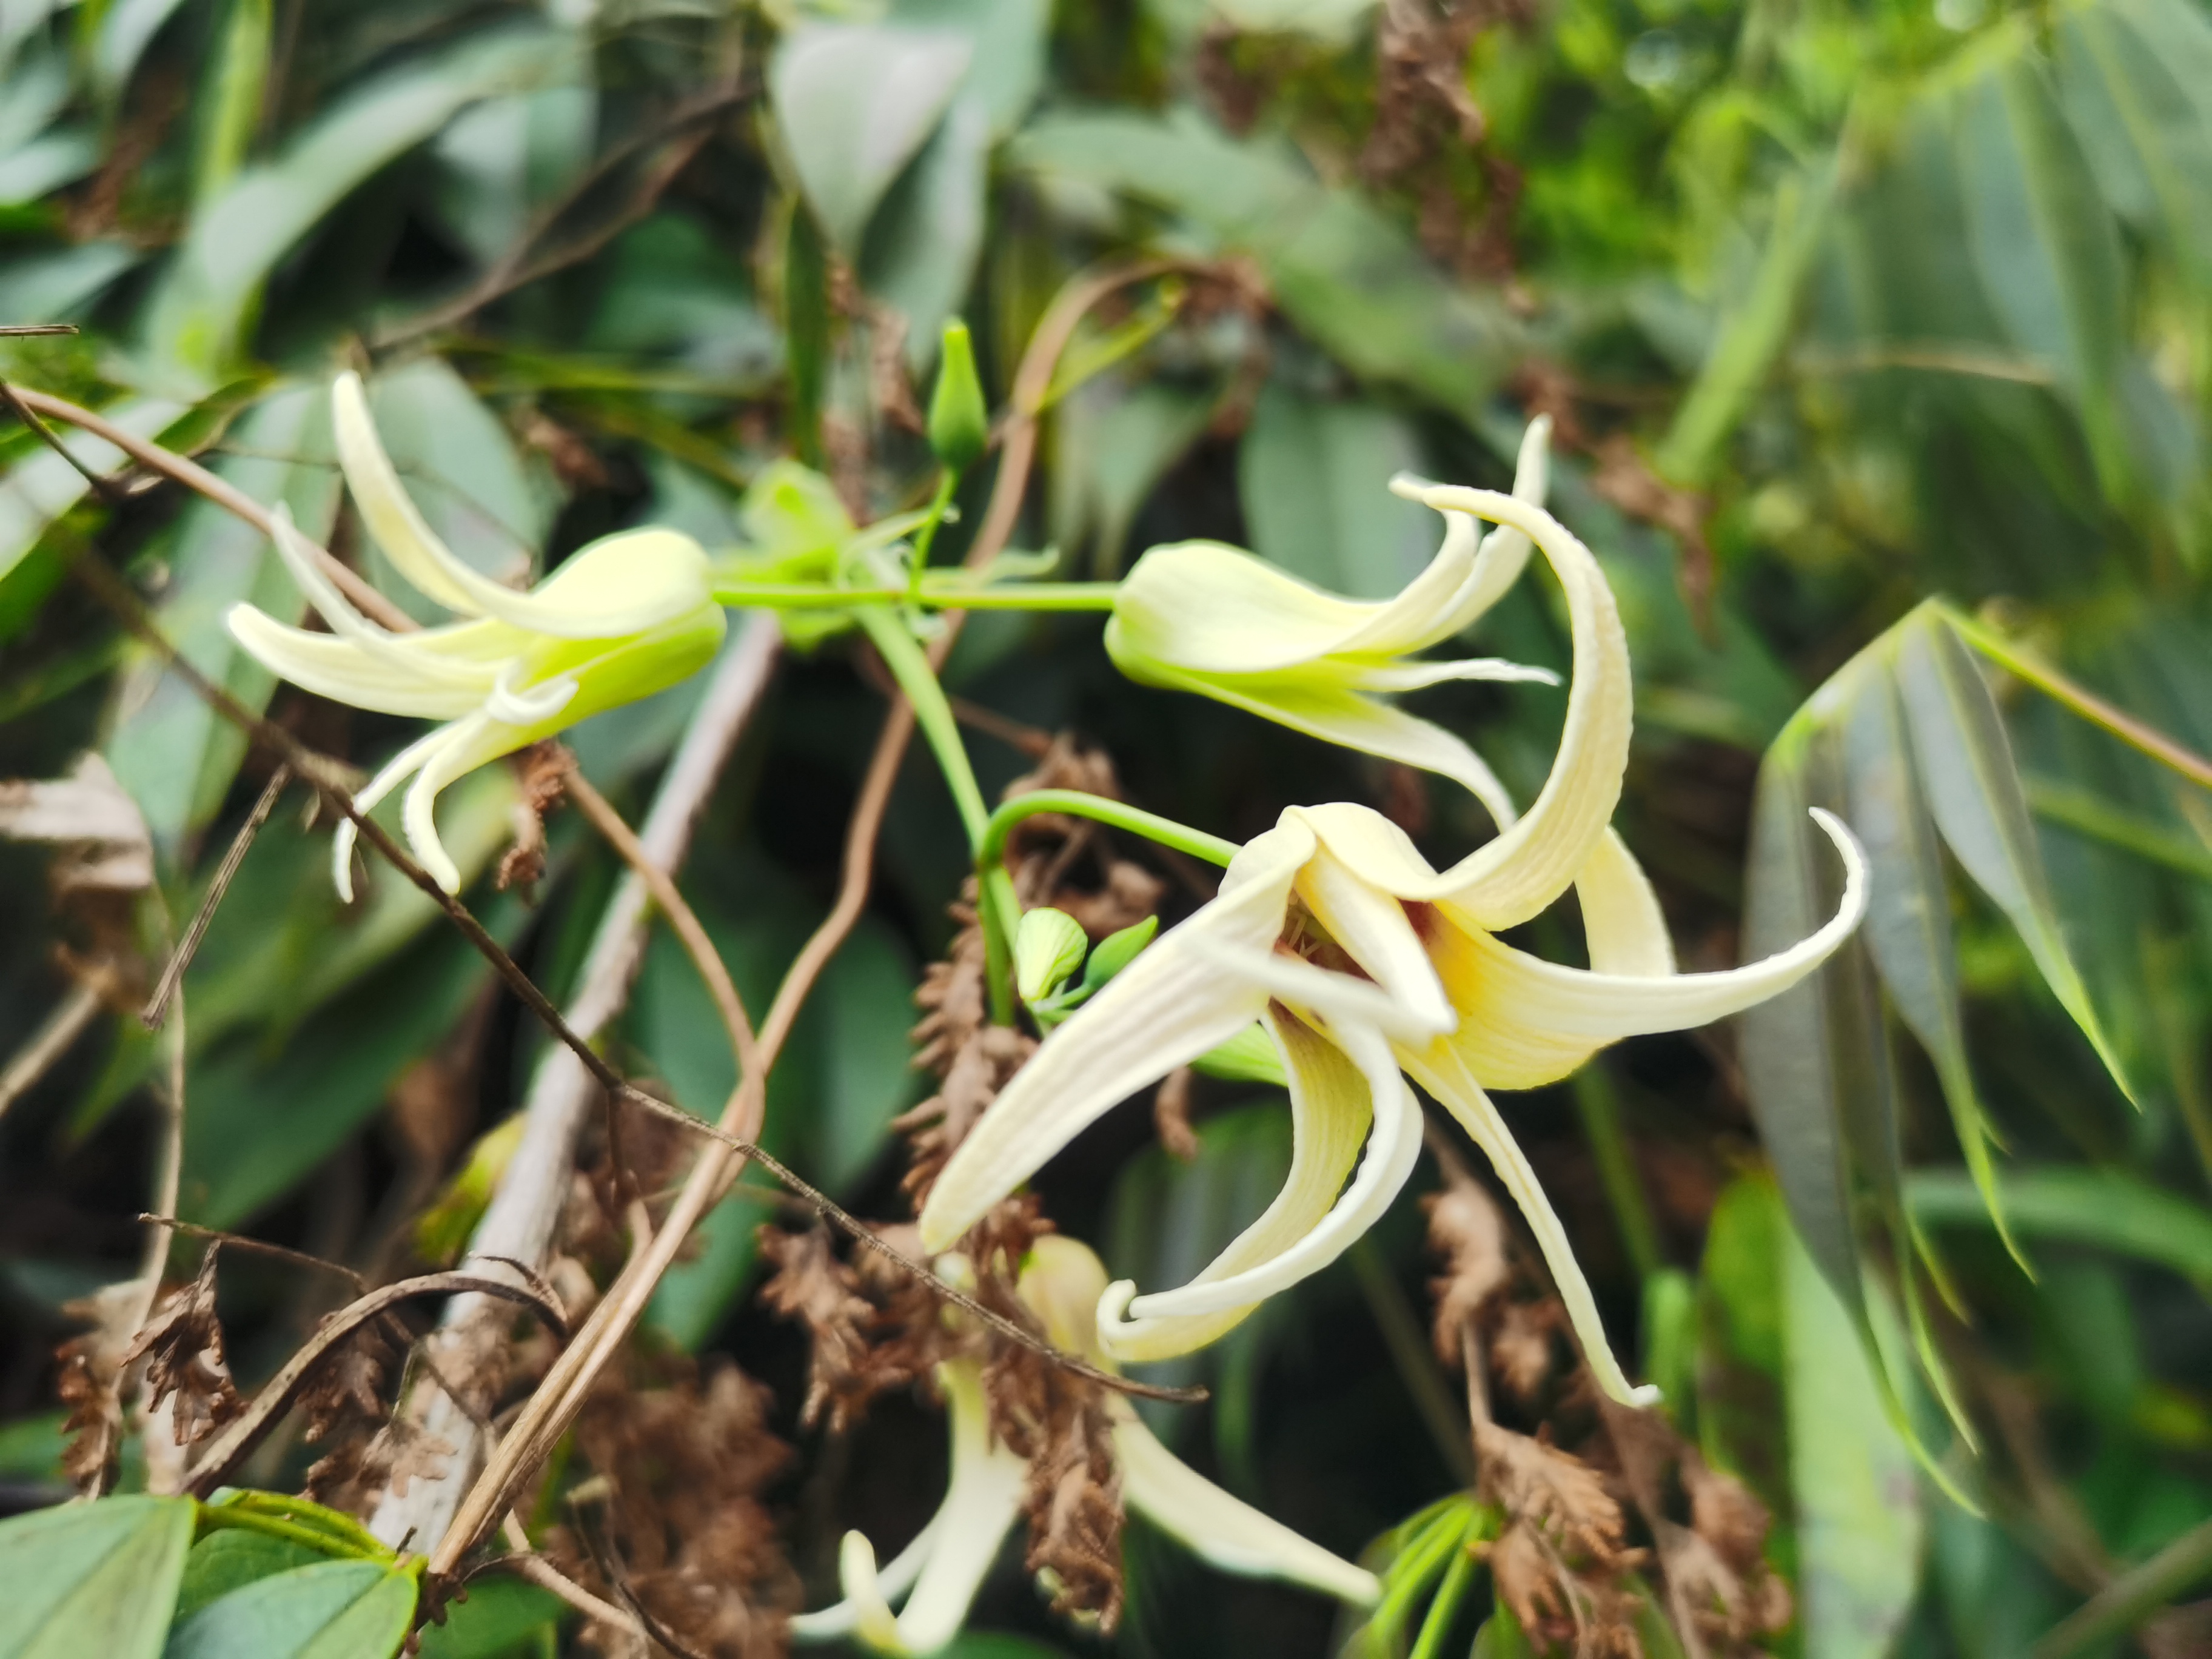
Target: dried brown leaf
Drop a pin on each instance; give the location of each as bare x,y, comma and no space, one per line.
1468,1231
182,1346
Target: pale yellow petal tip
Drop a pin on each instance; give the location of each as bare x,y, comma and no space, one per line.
1646,1395
874,1625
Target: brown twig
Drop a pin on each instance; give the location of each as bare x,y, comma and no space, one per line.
275,1397
170,464
102,486
18,331
62,1027
257,1247
181,958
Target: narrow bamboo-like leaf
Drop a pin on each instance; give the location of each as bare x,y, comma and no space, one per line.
43,486
1788,1048
332,1610
2047,248
1305,475
1857,1502
2078,1204
1973,790
231,97
92,1578
1908,925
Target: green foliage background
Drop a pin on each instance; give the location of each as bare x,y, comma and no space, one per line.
1845,307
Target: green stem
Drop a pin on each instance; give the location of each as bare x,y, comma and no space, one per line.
947,479
2085,703
1000,909
213,1515
2129,1600
991,850
1445,1608
937,595
1599,1106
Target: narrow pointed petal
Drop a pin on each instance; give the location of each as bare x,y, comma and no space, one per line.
872,1624
396,771
843,1618
1413,676
612,605
342,670
1504,551
979,1507
1222,1529
1514,877
1625,928
1525,1022
1373,928
401,656
473,742
1440,1071
1166,1007
1340,714
1322,996
1393,1145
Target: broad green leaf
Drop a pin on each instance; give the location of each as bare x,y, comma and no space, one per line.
861,1011
2046,246
231,1558
172,751
38,490
1856,1496
1112,445
45,164
231,95
1314,479
1908,925
854,104
500,1614
506,159
2147,137
1973,791
332,1610
807,331
126,29
1753,332
200,312
91,1578
922,246
57,287
1341,269
460,465
1789,1061
2078,1204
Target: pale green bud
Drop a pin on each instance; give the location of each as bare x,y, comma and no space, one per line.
1048,947
959,422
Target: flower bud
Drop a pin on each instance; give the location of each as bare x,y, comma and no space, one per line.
1048,947
959,424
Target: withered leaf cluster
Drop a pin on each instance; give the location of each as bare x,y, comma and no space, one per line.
1604,1506
874,1329
675,1517
182,1347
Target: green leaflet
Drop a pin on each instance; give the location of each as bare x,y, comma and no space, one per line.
94,1578
1309,475
2078,1204
332,1610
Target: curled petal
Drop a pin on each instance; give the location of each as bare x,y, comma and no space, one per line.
1413,676
1625,928
668,574
1372,926
1525,1022
1504,551
1164,1009
1335,1102
396,771
341,669
1442,1073
1222,1529
843,1619
528,706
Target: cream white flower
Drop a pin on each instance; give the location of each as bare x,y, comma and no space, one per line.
939,1573
626,616
1210,618
1365,965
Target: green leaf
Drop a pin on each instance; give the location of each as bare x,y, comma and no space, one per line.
806,332
38,490
1113,444
1857,1499
230,101
174,753
333,1610
922,244
1908,925
1973,789
1342,269
126,29
854,103
232,1558
2047,248
91,1578
200,312
500,1613
2078,1204
1313,476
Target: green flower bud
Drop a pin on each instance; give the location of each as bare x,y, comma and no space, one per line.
959,423
1048,947
1117,951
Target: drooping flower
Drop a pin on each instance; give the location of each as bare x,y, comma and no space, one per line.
940,1571
621,618
1365,965
1207,617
